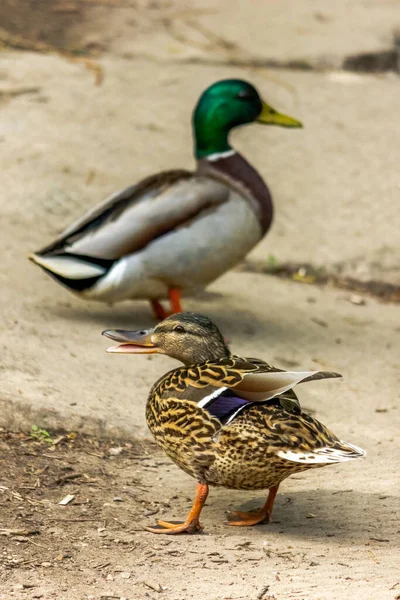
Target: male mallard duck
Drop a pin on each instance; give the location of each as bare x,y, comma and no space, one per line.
228,421
175,231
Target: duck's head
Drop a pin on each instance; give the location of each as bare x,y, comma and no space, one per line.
227,104
188,337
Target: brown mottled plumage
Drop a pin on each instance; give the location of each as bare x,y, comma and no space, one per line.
228,421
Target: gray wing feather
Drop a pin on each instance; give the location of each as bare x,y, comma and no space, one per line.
129,220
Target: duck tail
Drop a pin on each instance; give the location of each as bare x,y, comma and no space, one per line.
74,271
338,452
341,452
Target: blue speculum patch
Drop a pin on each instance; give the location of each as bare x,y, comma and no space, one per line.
225,405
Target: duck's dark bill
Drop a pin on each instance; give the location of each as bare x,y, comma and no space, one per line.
132,349
131,342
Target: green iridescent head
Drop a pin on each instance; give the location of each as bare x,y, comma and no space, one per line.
227,104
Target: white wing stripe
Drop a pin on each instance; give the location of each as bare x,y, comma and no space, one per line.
204,401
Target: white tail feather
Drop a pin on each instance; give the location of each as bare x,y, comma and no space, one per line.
68,266
325,455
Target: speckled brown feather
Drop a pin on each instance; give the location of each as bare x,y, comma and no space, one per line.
246,449
227,371
243,453
185,432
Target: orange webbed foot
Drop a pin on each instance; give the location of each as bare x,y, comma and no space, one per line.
247,519
192,524
175,527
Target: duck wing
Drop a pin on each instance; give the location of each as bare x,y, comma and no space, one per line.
129,220
226,386
269,382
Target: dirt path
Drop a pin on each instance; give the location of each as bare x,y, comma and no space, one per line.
94,95
325,541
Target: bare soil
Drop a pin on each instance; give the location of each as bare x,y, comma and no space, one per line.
95,547
47,23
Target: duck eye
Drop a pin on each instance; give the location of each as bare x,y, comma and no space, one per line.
244,95
179,329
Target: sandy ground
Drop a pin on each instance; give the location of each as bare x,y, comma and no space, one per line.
331,535
65,143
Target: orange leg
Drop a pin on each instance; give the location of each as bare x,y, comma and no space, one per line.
175,300
192,523
246,519
159,311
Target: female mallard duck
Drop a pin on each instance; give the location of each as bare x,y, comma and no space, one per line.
228,421
175,231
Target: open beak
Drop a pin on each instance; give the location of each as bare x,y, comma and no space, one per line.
269,116
131,342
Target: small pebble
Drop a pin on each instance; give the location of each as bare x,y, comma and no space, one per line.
115,451
46,564
67,499
117,499
357,300
125,575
